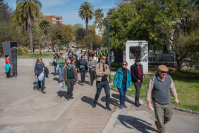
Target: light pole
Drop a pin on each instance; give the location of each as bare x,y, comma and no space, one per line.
108,22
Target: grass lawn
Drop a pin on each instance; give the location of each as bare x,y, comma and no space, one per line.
186,83
35,55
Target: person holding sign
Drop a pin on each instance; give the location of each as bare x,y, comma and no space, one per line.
69,74
8,64
39,67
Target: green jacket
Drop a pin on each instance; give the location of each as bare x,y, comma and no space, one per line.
61,61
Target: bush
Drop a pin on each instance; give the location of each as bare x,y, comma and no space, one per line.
25,50
20,50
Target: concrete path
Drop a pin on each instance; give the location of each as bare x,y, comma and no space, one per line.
23,109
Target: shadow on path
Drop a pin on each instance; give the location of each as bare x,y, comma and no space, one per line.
62,94
139,124
90,101
116,96
56,79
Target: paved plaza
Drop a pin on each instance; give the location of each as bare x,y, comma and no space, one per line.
23,109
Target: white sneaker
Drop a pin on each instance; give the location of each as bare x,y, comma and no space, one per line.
129,89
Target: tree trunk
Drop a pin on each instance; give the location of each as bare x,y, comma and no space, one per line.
86,26
40,49
180,61
30,30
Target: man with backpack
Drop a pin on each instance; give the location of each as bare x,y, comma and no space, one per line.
137,77
102,72
61,63
159,88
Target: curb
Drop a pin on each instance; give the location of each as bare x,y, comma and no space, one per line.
173,107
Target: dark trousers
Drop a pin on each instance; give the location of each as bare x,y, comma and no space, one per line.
70,87
137,94
107,91
122,92
41,82
8,73
163,114
99,59
92,76
82,76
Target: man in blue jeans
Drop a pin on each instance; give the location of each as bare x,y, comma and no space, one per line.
61,63
102,72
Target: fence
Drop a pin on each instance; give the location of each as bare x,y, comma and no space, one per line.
161,58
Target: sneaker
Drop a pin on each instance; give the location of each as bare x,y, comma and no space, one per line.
121,107
108,108
72,97
124,106
94,105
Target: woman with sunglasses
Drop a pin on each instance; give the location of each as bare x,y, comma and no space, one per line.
122,80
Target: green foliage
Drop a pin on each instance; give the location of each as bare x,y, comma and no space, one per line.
98,16
156,21
91,39
86,12
20,50
25,50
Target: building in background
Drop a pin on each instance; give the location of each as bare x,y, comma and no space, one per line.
54,18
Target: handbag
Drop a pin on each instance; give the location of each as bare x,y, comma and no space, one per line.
41,76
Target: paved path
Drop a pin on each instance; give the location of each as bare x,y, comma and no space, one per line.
24,109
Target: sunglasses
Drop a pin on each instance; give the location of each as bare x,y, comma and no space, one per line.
103,58
124,64
69,63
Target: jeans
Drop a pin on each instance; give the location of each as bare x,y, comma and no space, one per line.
107,91
163,114
70,87
55,69
82,76
92,77
60,70
43,83
122,92
137,87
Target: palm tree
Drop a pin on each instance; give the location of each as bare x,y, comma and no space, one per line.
98,16
26,12
86,12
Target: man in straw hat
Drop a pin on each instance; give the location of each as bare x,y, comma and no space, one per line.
160,86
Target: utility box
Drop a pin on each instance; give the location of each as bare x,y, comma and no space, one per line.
137,48
10,48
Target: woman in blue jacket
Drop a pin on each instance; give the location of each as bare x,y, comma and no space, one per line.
122,80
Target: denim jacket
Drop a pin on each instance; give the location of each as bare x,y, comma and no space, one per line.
119,79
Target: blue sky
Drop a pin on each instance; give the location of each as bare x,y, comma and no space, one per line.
68,9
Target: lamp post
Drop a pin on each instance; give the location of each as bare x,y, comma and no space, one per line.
108,22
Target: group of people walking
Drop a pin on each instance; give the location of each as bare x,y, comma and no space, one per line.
159,87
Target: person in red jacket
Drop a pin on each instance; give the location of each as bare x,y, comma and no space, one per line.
7,61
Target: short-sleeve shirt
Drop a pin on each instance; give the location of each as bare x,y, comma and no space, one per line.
7,61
